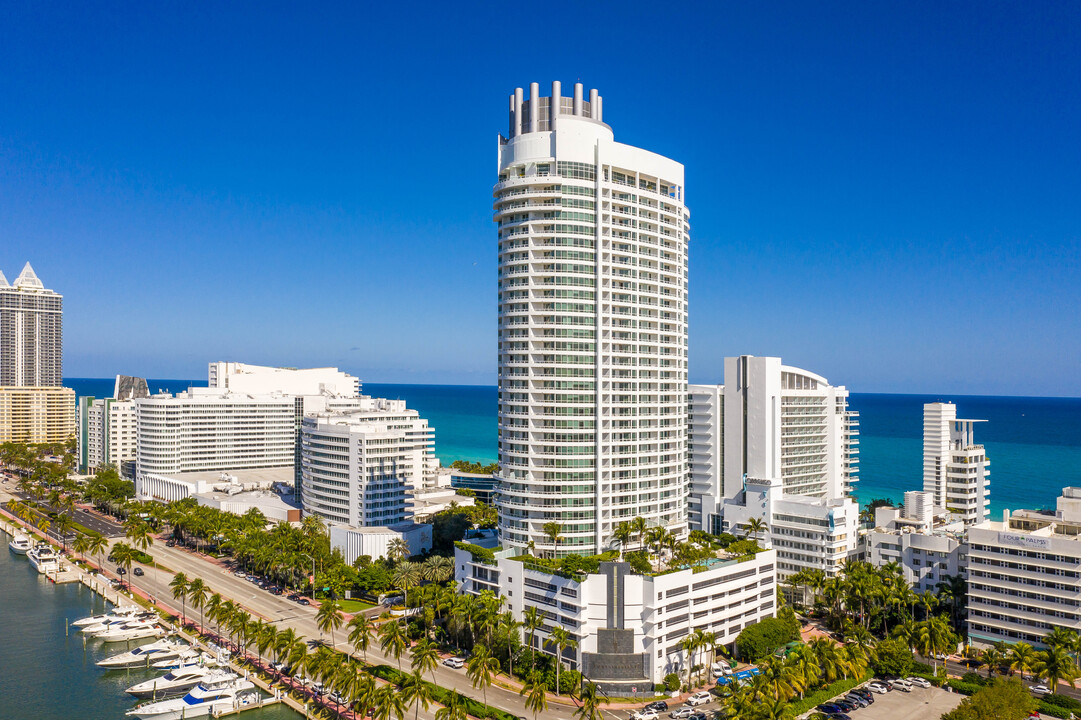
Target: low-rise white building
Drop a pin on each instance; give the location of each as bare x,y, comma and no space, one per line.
260,380
375,541
628,626
170,487
1024,574
275,507
927,542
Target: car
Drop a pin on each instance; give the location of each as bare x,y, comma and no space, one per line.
828,708
919,682
863,693
699,698
901,685
86,510
839,716
304,601
455,663
845,705
240,573
697,716
657,706
170,543
121,571
644,714
1041,689
293,596
878,687
857,700
682,712
138,572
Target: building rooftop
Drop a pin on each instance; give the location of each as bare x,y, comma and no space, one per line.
255,476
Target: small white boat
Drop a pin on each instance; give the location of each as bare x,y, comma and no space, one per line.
135,630
44,557
127,611
146,655
218,693
109,622
20,544
173,683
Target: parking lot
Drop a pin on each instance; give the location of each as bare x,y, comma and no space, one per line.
920,704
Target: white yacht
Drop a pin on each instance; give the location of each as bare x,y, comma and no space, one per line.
44,557
109,622
134,630
188,656
175,682
146,655
20,544
127,611
218,693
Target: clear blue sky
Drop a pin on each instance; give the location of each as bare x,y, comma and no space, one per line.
888,194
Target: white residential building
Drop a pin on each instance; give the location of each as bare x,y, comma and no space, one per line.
927,542
593,239
260,380
360,467
628,626
1024,574
206,429
705,440
31,333
955,469
106,427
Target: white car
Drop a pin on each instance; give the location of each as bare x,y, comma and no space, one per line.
1041,690
454,663
877,687
919,682
900,684
644,714
682,712
699,698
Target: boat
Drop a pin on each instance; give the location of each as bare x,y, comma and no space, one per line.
44,557
146,655
135,630
189,656
20,544
107,622
126,611
173,683
220,692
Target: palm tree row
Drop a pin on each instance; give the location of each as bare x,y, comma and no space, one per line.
1058,662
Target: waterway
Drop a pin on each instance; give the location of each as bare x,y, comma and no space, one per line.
45,675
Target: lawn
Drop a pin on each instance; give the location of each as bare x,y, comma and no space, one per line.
355,606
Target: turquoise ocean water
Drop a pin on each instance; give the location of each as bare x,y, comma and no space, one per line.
1034,444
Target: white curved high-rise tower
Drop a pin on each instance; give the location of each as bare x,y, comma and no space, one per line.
593,241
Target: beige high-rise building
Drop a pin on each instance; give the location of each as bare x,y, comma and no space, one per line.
31,332
36,414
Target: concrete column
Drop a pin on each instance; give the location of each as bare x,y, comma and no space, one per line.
593,103
578,99
553,104
598,115
534,107
517,112
513,120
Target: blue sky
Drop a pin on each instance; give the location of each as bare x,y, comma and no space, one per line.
884,193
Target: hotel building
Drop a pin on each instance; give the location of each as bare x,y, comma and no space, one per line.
37,414
106,427
593,237
1024,574
31,333
955,469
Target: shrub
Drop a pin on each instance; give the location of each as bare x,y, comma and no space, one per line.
570,681
921,668
973,678
1063,701
963,687
893,657
479,554
1054,710
762,638
671,682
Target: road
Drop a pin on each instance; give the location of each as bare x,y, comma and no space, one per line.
958,668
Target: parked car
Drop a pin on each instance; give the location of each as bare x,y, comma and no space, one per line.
304,601
878,687
901,685
682,712
857,700
697,716
699,698
1041,690
839,716
828,708
845,705
919,682
121,571
644,714
657,706
864,693
455,663
138,572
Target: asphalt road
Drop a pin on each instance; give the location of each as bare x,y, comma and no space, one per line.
958,668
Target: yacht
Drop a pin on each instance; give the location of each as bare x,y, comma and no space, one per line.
20,544
187,656
109,622
217,693
134,630
127,611
44,557
146,655
173,683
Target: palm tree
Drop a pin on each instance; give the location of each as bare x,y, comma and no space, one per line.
553,531
123,554
388,701
590,700
482,668
425,657
180,586
453,710
197,594
1061,637
437,569
1020,658
397,550
415,692
329,618
935,637
407,575
361,631
806,664
993,658
393,640
756,526
782,679
363,696
623,534
561,639
1055,664
536,694
532,621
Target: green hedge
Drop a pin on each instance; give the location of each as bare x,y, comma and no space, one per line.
442,695
839,687
1054,710
1063,701
963,687
479,554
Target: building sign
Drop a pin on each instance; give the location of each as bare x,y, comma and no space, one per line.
1025,541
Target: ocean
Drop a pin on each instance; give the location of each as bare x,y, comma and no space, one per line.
1034,444
45,675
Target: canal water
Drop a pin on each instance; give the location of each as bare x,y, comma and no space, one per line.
45,675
